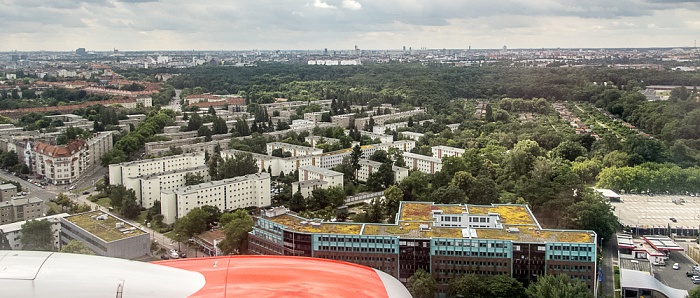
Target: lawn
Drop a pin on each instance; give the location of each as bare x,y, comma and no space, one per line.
104,202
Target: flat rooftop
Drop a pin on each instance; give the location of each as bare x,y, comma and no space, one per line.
657,211
415,221
106,227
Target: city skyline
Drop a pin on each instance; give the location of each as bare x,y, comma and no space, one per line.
341,24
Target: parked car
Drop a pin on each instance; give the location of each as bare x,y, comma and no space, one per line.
174,255
72,187
183,255
690,274
696,279
86,192
676,266
659,263
164,257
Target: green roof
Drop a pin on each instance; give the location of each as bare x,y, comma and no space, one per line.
105,227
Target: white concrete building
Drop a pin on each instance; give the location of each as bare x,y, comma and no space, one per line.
426,164
148,188
238,192
411,135
367,167
313,172
383,138
442,151
98,145
21,208
13,231
315,140
118,173
295,150
308,186
391,126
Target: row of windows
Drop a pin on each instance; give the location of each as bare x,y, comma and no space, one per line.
444,280
357,249
360,240
571,267
472,244
473,263
357,259
569,248
471,254
570,258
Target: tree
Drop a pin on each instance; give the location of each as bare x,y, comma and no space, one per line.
238,165
205,132
393,197
695,293
469,285
193,179
236,233
380,156
421,285
211,111
593,213
130,208
569,150
193,223
213,212
559,286
4,243
195,122
297,203
76,247
449,194
37,235
355,157
219,126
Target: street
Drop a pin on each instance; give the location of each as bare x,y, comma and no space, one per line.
609,254
76,195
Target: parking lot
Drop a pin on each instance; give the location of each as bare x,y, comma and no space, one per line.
676,278
659,211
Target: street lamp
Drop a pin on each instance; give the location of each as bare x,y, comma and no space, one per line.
177,236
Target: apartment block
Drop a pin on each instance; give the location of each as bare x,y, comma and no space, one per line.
315,140
98,145
61,164
7,191
13,231
447,241
228,194
411,135
294,150
148,188
118,173
390,126
383,138
313,172
308,186
21,208
367,167
442,151
425,164
106,235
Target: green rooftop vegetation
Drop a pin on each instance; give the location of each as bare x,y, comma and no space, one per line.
105,229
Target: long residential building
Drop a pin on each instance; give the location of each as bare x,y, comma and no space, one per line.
325,160
119,173
368,167
148,188
442,151
425,164
13,231
447,241
239,192
294,150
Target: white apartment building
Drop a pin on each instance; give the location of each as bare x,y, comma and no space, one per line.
315,140
61,164
442,151
239,192
313,172
13,231
21,208
411,135
308,186
425,164
149,187
367,167
98,145
118,173
391,126
324,160
295,150
383,138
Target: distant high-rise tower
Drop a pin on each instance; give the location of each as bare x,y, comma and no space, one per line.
404,48
80,51
325,51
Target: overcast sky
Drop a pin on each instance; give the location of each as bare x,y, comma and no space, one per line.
341,24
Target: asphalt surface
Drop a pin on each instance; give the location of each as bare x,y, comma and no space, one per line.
609,253
675,278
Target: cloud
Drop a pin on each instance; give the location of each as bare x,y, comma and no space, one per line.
351,5
324,5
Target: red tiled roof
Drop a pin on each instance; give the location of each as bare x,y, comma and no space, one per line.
62,151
